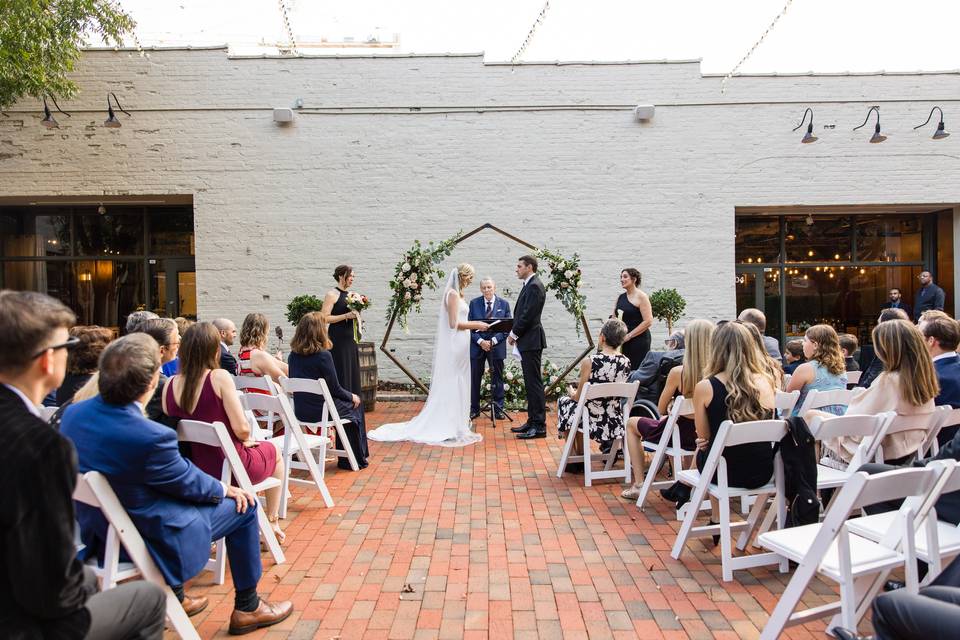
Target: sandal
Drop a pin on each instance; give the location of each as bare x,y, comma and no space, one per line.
631,494
277,531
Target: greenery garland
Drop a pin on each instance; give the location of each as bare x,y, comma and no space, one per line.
416,272
564,278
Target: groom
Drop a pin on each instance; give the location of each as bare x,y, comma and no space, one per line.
530,340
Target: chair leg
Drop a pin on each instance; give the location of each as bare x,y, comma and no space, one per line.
178,617
111,560
726,544
220,562
690,515
287,458
658,459
587,464
567,448
266,530
346,446
627,466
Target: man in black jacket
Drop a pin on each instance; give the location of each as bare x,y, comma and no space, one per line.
929,295
530,341
45,591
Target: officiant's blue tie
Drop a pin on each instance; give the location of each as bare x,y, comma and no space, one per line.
489,308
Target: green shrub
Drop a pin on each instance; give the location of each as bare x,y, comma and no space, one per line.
667,305
301,306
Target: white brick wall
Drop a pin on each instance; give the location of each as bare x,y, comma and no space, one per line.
276,208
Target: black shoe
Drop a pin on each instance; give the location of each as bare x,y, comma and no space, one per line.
846,634
893,585
474,415
519,429
716,536
671,494
531,433
575,467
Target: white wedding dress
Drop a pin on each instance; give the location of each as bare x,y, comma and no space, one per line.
445,418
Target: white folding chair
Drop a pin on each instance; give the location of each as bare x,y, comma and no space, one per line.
215,435
949,417
668,445
265,386
936,539
785,402
924,422
730,434
330,415
830,549
580,427
293,441
94,490
853,377
816,399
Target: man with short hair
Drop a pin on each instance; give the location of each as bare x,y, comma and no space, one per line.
45,590
757,319
228,333
487,346
136,318
896,302
941,333
530,340
929,295
177,508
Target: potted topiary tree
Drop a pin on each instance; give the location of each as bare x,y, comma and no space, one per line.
667,305
301,306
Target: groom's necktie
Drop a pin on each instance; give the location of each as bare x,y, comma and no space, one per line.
489,308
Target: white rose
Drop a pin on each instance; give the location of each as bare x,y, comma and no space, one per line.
568,274
406,266
406,284
564,285
414,285
488,387
406,296
416,297
505,386
413,277
509,376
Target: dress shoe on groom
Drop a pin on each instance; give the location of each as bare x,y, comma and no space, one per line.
532,432
519,429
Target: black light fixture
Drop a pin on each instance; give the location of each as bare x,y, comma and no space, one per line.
112,121
940,134
48,120
877,136
808,137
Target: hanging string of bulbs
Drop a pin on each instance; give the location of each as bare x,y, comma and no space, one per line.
726,78
285,14
526,41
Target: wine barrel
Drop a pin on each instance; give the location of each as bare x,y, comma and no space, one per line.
368,375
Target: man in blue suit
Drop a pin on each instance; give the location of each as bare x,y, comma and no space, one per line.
177,508
487,346
942,335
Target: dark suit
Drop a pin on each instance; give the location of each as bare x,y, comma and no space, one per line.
772,346
177,508
228,362
499,308
928,297
899,305
531,341
648,369
933,613
948,375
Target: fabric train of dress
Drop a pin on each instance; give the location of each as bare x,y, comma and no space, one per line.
445,418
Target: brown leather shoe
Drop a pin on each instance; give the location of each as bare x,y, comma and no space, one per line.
192,606
266,614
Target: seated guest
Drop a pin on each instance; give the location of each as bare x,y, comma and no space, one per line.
310,358
941,334
177,509
606,415
907,386
169,369
793,355
680,381
876,366
824,369
253,357
772,364
45,589
165,332
757,319
136,318
202,391
849,345
82,359
228,334
650,367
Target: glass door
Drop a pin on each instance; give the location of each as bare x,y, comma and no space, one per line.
173,287
758,287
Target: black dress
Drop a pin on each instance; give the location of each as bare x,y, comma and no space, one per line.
637,348
346,357
748,465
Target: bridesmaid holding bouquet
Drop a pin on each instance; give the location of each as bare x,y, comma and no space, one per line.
342,327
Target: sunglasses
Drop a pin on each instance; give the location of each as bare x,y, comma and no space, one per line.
69,344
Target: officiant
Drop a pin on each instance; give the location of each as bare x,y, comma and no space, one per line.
487,346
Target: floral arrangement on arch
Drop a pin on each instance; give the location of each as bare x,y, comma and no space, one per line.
564,279
416,272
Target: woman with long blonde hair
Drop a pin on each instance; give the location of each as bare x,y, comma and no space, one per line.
908,386
681,381
824,370
445,417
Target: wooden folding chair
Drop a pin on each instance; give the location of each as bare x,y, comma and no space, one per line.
215,435
731,434
93,489
830,549
667,446
293,442
580,427
330,415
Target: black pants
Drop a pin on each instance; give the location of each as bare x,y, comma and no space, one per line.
931,615
477,365
132,611
530,363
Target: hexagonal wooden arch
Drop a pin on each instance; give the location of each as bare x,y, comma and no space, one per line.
416,379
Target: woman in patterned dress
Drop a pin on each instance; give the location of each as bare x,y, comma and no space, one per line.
606,415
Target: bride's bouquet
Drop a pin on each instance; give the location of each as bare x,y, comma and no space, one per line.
357,302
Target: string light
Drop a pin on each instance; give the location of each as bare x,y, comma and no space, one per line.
285,14
533,30
726,78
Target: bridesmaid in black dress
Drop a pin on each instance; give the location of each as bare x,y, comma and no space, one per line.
346,357
633,307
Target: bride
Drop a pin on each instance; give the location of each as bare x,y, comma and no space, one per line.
445,418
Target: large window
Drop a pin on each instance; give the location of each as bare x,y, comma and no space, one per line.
102,263
803,270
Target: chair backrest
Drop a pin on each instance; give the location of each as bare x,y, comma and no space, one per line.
896,485
785,402
318,387
47,412
816,399
853,377
949,417
261,383
786,379
682,406
626,390
731,434
261,402
836,426
214,435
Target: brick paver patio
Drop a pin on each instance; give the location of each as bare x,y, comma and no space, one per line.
486,542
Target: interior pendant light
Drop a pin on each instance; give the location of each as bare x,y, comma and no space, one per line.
940,133
877,136
112,122
48,120
808,137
